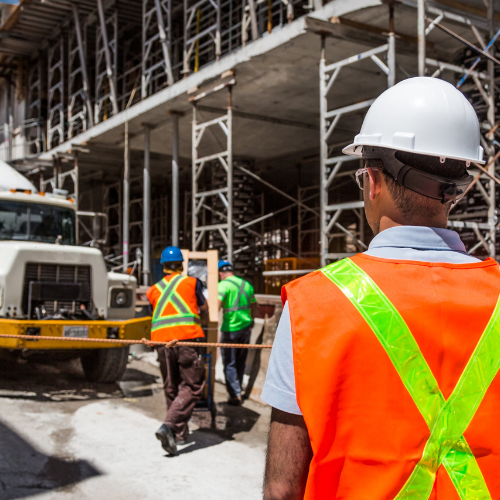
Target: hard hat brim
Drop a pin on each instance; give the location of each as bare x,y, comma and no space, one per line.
357,150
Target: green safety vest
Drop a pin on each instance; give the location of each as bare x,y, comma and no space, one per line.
237,305
237,313
447,419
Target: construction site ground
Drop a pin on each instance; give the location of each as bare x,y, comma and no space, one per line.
64,438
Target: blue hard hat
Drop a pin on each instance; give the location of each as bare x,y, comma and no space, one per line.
224,263
171,254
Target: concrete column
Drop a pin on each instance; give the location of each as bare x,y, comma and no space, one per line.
126,198
146,211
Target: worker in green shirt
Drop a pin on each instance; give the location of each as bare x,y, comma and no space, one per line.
239,307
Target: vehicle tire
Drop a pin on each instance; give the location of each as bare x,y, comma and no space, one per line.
104,365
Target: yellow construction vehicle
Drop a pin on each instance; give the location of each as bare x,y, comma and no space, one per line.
50,287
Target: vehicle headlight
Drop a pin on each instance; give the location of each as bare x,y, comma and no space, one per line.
121,299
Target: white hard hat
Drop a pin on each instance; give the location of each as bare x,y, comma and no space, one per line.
425,116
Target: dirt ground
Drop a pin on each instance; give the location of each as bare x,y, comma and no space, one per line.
64,438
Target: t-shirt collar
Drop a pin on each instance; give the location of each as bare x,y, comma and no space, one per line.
419,237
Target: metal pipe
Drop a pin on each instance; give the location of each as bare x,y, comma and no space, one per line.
194,182
492,212
77,194
421,37
83,64
468,44
323,191
230,174
391,52
253,20
288,272
268,184
164,43
175,180
126,197
146,210
109,65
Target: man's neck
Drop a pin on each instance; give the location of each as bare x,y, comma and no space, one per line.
172,273
388,222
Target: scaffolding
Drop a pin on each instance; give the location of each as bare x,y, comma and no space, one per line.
219,160
102,56
80,106
483,228
56,69
331,166
34,123
106,64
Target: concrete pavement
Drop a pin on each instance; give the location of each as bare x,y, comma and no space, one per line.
64,438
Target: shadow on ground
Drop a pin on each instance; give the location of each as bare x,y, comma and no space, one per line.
229,421
25,471
46,377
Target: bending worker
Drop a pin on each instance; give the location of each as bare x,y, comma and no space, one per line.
383,375
238,304
177,301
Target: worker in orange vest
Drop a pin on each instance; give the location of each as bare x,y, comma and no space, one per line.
177,301
383,374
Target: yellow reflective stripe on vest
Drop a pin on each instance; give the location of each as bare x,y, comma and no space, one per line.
169,295
447,420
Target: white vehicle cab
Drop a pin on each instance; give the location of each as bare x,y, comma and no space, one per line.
49,286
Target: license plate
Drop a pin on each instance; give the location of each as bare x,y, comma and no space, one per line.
76,331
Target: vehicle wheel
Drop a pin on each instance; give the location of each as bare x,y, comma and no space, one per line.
104,365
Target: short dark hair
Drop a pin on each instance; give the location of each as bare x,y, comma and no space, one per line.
172,266
407,200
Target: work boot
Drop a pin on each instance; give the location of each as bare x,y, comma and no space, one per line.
167,438
236,401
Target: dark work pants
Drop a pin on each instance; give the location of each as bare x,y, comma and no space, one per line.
234,360
183,375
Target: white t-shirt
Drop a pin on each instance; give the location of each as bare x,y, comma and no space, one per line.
418,243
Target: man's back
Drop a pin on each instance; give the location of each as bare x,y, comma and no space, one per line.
236,295
366,430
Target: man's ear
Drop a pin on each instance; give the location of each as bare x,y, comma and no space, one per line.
375,182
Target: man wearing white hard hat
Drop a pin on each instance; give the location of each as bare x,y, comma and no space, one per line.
383,376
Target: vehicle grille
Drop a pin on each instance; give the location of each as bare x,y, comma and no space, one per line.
54,273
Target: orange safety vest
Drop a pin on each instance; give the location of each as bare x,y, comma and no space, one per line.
366,431
175,309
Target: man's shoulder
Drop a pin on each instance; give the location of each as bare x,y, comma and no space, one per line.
305,280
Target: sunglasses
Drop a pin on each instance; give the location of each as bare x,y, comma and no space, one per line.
359,176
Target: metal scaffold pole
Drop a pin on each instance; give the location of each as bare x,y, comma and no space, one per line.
146,211
391,52
175,179
77,194
107,55
323,196
230,175
126,197
220,165
83,64
421,37
194,181
492,212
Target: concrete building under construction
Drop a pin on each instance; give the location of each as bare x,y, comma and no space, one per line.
219,124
